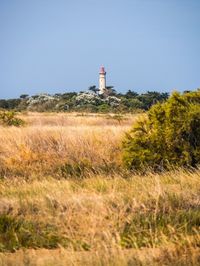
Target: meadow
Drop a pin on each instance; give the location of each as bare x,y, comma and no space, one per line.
66,198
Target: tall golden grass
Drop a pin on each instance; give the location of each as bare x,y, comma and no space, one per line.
106,216
48,142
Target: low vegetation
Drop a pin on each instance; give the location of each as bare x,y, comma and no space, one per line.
8,118
110,213
66,199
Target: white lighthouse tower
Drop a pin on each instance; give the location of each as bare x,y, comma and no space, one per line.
102,80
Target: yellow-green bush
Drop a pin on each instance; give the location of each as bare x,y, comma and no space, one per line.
8,118
169,136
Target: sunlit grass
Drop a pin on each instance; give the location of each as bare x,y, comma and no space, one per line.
63,188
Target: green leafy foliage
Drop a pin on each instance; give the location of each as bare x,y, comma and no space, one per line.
168,136
8,118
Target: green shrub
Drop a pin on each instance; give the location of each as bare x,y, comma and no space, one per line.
168,136
8,118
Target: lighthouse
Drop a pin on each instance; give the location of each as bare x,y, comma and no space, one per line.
102,80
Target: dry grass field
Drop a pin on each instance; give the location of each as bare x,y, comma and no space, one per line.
65,198
62,145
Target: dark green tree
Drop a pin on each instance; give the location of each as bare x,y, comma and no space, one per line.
152,97
131,94
24,96
3,104
93,88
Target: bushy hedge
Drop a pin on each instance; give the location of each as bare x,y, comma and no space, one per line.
168,136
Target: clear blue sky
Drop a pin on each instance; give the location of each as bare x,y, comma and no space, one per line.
59,45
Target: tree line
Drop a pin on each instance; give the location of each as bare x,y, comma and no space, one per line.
128,102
